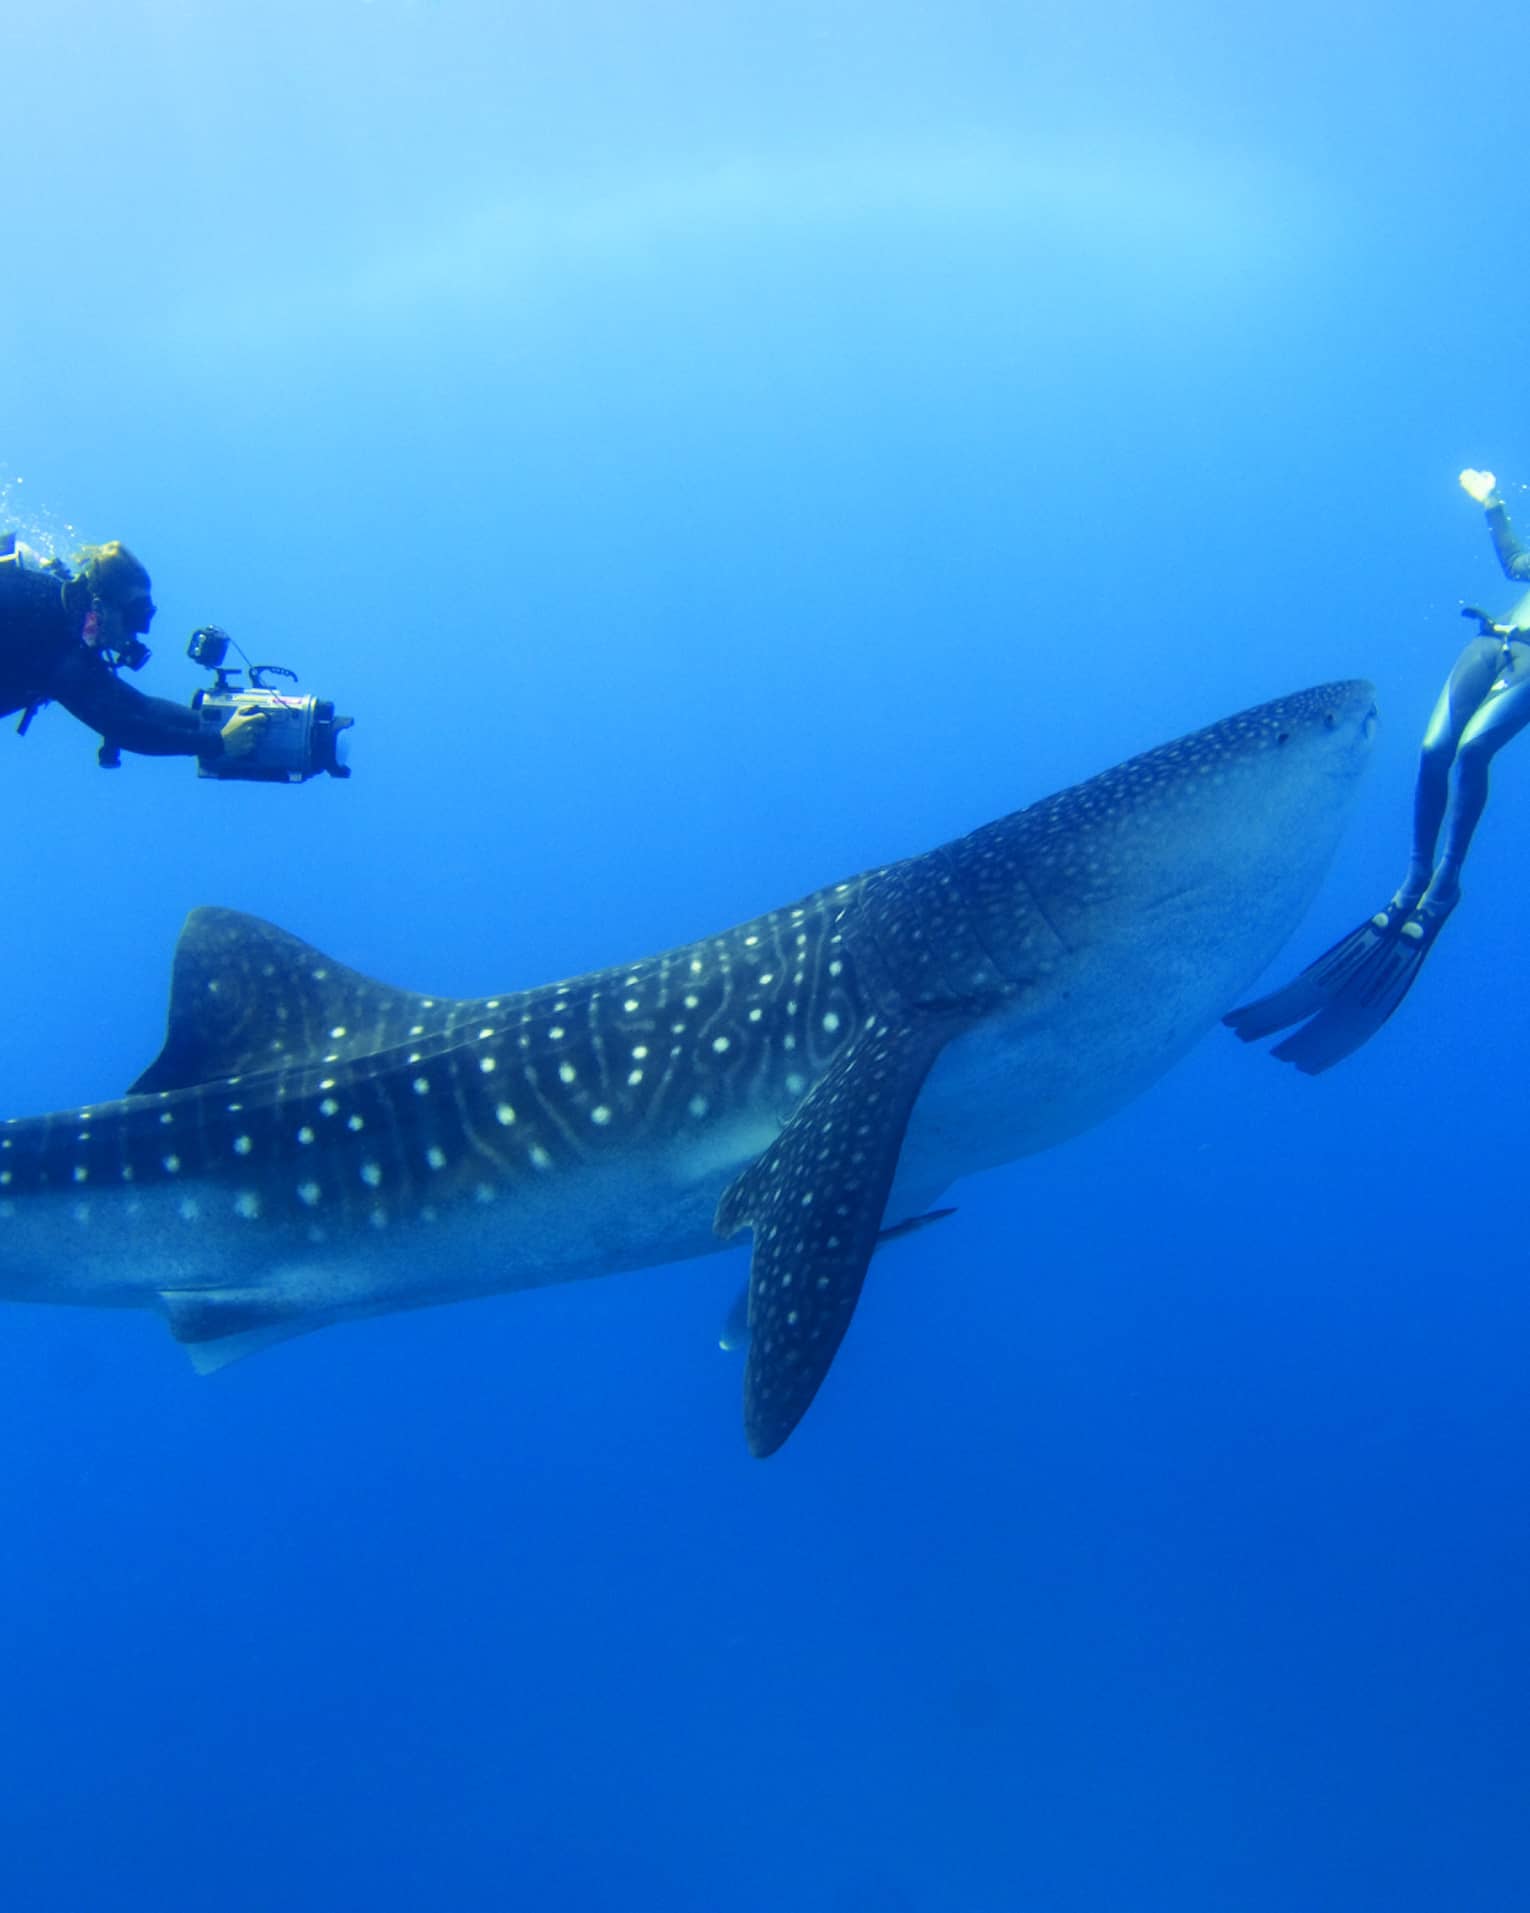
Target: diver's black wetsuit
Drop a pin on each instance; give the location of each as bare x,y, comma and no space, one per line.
44,659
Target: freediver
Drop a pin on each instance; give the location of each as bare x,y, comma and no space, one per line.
1351,990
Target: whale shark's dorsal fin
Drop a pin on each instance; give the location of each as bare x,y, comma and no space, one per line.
245,996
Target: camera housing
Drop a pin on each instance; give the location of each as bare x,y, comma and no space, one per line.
301,737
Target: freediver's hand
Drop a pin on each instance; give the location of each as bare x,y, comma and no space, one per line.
1478,485
243,731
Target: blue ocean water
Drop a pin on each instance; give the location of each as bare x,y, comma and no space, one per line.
714,450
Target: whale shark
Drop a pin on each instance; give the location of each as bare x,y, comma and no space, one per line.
312,1146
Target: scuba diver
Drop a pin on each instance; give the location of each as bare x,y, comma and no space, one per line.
1351,990
66,634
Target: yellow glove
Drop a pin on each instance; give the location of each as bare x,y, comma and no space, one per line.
242,732
1478,485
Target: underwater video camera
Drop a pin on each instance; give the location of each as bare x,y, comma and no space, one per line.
301,737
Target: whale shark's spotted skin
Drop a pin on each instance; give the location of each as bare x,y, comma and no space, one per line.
376,1102
311,1145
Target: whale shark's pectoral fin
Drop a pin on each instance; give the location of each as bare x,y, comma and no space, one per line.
815,1200
735,1329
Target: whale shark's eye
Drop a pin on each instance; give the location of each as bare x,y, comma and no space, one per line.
1282,737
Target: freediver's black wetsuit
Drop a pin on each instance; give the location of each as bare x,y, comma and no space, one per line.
1351,990
44,659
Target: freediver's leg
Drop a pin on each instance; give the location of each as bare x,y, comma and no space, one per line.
1352,988
1501,716
1466,689
1375,989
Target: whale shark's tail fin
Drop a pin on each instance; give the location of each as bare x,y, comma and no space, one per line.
1347,993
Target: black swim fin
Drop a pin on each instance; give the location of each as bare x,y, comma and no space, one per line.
1324,981
1348,993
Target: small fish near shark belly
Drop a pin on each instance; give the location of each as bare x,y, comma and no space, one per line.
312,1146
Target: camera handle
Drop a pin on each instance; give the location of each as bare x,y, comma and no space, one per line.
260,672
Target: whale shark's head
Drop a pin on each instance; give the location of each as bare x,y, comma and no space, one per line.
1199,856
1246,810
